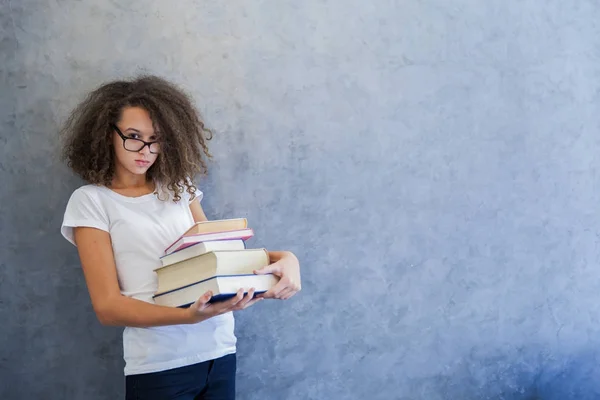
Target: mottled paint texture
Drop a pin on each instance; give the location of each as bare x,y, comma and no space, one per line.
433,164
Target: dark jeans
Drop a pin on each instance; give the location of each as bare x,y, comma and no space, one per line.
209,380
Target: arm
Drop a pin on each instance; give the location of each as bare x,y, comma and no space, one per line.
197,211
112,308
286,266
283,264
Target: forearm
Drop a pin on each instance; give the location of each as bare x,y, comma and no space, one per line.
275,256
126,311
286,266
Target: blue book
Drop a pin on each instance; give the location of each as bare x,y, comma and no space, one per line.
222,287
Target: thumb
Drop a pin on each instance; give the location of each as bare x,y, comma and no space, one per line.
274,268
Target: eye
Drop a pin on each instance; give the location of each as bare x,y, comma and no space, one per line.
133,136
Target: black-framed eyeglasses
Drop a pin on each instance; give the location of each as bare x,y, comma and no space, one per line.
135,145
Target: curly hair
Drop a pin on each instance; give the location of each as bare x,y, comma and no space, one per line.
87,133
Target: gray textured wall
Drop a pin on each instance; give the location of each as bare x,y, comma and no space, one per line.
433,164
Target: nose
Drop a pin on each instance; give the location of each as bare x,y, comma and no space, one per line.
145,150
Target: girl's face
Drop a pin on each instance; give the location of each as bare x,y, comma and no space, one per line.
131,155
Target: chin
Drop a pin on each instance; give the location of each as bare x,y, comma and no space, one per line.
139,170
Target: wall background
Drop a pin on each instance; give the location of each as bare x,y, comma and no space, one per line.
432,163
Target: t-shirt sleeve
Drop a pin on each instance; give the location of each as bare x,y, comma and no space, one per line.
199,195
83,210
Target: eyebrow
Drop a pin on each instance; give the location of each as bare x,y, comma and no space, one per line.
138,131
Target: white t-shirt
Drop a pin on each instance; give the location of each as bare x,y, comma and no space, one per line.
140,229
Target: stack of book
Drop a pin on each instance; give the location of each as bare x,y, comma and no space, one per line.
211,255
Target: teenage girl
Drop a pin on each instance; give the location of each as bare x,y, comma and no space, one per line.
138,144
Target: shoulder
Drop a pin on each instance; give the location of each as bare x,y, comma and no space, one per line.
86,193
197,195
84,209
90,190
87,198
186,198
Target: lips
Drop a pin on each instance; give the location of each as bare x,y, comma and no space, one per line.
142,163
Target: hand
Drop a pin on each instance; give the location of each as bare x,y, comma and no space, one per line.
286,266
202,310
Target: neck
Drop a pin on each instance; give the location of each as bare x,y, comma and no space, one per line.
127,180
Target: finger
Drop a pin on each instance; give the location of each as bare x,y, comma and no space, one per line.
285,293
266,295
253,302
231,303
224,306
247,298
289,295
202,301
275,290
274,268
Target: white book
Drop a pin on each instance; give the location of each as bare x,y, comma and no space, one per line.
222,287
202,248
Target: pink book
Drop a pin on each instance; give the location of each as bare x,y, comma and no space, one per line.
189,240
